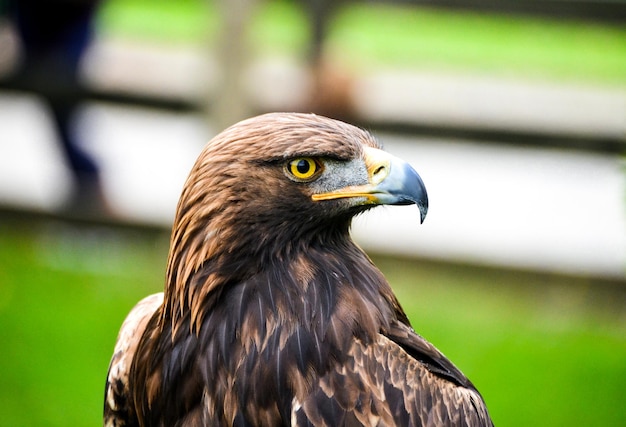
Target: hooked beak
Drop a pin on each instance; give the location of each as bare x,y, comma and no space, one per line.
391,181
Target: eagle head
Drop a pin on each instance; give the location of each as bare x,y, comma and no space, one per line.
270,185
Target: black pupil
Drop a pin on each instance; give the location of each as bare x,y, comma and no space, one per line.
303,166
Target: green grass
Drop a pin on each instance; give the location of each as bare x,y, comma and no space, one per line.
544,351
64,292
371,36
161,21
481,43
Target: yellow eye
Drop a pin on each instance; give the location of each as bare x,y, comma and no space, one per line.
303,168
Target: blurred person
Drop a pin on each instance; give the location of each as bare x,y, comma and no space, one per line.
54,35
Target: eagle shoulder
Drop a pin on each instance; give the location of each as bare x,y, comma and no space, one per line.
381,383
117,408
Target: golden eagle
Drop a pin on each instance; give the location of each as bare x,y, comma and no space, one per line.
271,314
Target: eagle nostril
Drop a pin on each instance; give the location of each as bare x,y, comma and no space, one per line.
379,174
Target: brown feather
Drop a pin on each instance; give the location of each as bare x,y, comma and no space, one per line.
116,404
271,314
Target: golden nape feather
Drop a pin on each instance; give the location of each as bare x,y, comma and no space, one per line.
271,314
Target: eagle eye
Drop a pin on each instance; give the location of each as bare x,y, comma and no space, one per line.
303,169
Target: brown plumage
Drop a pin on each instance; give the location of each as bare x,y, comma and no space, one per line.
271,315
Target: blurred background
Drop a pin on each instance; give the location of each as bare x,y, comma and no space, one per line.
513,112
